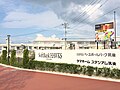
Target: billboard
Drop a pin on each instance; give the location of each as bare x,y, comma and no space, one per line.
96,58
104,31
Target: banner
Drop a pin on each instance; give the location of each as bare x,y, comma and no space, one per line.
104,31
96,58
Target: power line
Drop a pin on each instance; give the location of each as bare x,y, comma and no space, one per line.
107,13
66,18
43,30
101,16
59,25
28,33
40,31
88,9
104,14
83,13
85,9
90,14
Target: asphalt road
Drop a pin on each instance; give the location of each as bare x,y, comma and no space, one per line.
13,79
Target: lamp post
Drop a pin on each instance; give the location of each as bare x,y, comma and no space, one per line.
115,27
8,48
65,26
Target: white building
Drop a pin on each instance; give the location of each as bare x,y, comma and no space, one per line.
55,43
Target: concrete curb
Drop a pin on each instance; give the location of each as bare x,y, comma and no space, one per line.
65,74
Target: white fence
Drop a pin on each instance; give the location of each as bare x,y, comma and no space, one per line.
89,57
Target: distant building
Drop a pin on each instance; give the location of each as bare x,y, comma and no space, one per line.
52,43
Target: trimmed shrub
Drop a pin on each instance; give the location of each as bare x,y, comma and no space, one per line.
115,73
97,71
25,58
84,70
13,61
0,59
89,71
74,69
79,69
4,57
105,72
31,55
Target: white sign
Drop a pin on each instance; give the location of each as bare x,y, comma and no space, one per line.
89,57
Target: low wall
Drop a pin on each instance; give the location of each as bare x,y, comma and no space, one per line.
89,57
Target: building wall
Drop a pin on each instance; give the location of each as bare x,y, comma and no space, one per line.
43,45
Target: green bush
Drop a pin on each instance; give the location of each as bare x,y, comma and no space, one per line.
31,55
89,71
4,57
26,58
105,72
84,70
74,69
79,69
61,67
115,73
0,59
13,60
97,71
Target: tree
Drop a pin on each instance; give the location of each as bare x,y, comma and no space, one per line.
0,59
25,58
4,57
13,58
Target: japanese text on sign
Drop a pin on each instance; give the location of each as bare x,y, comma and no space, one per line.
97,54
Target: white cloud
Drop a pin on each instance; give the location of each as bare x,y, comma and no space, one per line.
16,19
7,5
85,31
40,37
23,39
73,10
93,11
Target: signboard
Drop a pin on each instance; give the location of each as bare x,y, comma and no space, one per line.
96,58
104,31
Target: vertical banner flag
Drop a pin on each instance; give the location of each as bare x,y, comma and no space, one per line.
104,31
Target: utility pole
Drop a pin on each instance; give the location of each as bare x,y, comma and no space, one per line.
8,48
65,26
115,27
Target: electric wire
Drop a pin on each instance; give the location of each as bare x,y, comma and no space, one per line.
83,13
100,16
86,10
74,27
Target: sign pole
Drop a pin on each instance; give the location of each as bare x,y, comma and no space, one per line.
104,44
97,44
115,27
8,48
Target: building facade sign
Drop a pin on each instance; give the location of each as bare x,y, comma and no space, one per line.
96,58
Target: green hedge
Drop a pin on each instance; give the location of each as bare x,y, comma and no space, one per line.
58,67
25,58
13,60
4,57
74,69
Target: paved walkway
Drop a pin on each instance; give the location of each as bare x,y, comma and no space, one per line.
14,79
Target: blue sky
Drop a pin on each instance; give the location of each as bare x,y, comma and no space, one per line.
25,19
